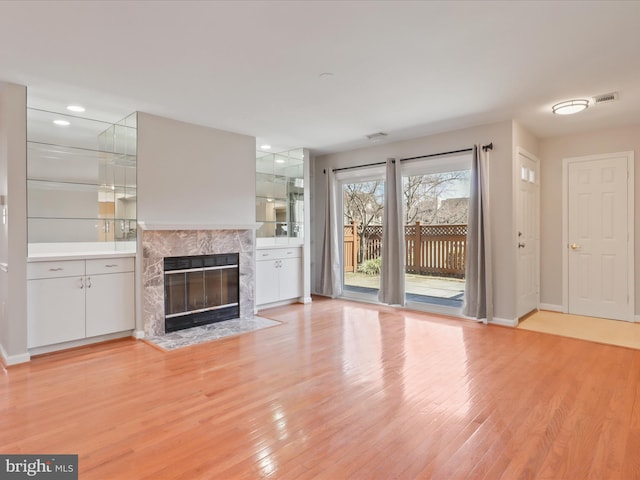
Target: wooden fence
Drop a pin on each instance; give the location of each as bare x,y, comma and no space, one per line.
438,250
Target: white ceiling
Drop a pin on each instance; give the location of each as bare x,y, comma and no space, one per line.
404,68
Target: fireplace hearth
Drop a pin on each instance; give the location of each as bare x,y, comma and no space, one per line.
200,289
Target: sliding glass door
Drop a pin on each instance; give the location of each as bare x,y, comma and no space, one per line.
435,198
363,211
435,209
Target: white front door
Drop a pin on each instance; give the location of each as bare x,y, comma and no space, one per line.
528,231
600,259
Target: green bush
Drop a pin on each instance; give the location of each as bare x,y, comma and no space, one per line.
372,266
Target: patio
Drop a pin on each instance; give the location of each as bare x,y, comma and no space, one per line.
435,261
419,288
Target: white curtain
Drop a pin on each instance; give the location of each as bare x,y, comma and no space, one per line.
330,271
393,246
478,293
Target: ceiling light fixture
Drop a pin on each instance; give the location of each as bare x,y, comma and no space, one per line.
75,108
570,107
265,147
62,123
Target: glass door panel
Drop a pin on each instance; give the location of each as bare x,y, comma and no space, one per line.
363,210
436,201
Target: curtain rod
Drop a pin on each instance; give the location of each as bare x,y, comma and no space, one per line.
358,166
484,149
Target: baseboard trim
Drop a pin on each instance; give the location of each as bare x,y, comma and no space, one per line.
504,322
9,360
551,307
79,343
636,319
280,303
305,300
138,334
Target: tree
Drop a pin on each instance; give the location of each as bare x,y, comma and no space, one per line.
364,204
422,195
427,199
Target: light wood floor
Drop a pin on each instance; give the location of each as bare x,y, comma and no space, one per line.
339,391
601,330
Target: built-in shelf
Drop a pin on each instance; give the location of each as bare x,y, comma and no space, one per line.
280,196
81,179
197,226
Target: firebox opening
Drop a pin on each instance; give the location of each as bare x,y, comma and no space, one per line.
200,289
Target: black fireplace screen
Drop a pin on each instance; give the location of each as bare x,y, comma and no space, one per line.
200,289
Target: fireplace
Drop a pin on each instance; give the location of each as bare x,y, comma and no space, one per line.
161,243
200,289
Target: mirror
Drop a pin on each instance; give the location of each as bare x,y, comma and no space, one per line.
81,183
280,194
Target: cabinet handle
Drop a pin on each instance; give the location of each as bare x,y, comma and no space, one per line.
111,265
88,282
81,283
265,254
57,269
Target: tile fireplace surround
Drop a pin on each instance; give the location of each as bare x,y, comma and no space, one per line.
157,244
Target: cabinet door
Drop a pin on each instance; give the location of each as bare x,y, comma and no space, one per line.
290,278
110,303
267,289
55,311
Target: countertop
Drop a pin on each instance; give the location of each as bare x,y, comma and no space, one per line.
46,252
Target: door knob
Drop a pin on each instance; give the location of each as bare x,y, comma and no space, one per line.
521,245
575,246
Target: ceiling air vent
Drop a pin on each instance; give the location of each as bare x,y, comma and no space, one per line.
605,98
376,137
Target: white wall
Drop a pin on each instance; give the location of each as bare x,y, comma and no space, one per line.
13,235
524,139
552,151
193,174
501,134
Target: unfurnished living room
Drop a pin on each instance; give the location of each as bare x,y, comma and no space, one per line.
298,239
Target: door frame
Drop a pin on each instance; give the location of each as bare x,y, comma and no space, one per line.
538,184
630,225
363,174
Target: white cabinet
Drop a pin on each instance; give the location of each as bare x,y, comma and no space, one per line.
55,295
278,275
75,299
110,296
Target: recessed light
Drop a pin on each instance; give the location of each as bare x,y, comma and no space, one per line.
75,108
279,160
265,147
326,75
570,107
62,123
